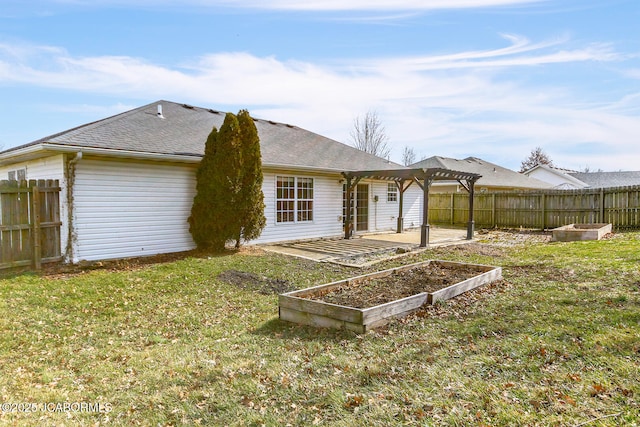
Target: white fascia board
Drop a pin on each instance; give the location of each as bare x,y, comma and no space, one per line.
44,149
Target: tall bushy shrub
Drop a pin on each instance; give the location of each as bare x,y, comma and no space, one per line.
250,205
229,204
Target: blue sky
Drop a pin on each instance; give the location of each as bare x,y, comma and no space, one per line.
456,78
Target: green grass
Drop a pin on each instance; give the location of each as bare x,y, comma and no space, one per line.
556,343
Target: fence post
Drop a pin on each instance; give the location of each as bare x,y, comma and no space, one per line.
493,210
453,212
543,202
602,204
35,210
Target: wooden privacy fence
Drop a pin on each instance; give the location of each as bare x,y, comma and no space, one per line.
30,223
619,206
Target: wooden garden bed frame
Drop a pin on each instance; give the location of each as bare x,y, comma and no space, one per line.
299,307
578,232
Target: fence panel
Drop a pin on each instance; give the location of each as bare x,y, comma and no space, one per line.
441,206
29,223
540,209
622,206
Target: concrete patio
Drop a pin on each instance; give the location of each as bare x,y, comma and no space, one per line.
339,250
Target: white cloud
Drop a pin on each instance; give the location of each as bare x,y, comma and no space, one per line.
375,4
459,104
316,5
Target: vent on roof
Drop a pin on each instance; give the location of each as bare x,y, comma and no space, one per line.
160,111
189,107
290,126
214,111
272,122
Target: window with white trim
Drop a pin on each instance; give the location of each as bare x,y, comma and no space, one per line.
392,192
294,199
19,174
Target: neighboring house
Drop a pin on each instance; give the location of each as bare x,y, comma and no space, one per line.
561,179
128,182
568,179
494,177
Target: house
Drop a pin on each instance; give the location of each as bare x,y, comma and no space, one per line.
494,177
559,178
568,179
128,182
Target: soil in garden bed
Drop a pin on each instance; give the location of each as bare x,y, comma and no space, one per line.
380,290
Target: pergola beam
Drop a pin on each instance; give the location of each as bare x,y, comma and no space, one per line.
424,178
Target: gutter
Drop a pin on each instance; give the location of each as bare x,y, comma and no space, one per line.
30,151
70,175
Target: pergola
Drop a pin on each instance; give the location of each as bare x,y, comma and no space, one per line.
403,179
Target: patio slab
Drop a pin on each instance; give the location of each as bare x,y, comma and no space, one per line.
346,251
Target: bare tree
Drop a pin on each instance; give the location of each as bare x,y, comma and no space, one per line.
536,157
408,156
369,135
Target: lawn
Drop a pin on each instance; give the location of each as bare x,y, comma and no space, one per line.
557,342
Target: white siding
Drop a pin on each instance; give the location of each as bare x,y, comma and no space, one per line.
126,209
383,215
327,215
412,207
558,180
47,168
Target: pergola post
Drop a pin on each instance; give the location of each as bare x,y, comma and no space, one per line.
424,229
471,223
347,220
400,185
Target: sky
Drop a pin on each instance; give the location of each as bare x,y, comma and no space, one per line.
492,79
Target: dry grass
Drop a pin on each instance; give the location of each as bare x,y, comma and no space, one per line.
555,343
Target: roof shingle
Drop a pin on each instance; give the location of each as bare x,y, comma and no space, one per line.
184,130
492,175
608,179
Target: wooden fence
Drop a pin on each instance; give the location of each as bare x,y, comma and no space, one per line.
546,209
30,223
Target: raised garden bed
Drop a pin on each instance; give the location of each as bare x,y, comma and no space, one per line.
577,232
368,301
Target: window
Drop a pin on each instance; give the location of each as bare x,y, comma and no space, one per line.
20,174
392,192
305,199
294,199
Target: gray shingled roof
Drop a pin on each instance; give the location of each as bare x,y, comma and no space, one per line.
492,175
608,179
184,130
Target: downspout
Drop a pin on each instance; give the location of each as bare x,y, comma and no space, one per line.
71,178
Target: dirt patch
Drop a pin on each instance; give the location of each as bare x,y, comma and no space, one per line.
473,249
380,290
252,282
62,270
508,237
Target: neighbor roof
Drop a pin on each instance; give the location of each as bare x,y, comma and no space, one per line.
183,130
492,175
608,179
